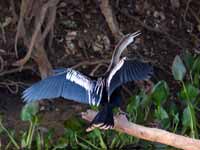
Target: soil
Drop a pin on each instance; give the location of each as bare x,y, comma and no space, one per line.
82,35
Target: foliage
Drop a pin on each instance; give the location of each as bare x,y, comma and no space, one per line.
160,108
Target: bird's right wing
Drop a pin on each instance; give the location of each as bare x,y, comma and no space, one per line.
66,83
128,70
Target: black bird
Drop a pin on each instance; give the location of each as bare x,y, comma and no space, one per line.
103,90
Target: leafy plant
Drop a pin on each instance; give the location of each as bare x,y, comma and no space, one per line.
28,113
188,91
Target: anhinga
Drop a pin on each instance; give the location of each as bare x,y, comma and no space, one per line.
103,90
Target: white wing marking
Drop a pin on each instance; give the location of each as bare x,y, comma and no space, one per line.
79,79
101,92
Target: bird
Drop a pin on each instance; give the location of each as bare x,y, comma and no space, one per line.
102,91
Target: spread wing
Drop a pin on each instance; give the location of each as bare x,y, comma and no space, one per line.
127,70
66,83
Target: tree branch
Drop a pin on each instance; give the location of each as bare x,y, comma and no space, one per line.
34,38
150,134
110,19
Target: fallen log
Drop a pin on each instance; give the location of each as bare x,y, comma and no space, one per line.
147,133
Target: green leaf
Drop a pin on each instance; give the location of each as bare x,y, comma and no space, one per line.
188,60
160,92
173,108
196,65
162,115
186,118
134,104
145,100
29,111
191,92
178,69
196,79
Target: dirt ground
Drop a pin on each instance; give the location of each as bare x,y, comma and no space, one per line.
82,40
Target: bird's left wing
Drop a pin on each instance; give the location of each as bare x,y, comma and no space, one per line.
127,70
66,83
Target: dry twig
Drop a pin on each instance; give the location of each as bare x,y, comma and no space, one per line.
150,134
10,71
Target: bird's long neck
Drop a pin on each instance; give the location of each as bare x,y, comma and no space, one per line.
115,58
121,46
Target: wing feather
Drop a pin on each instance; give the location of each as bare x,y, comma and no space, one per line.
127,70
67,83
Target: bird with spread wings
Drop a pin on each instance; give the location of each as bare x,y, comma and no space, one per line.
104,90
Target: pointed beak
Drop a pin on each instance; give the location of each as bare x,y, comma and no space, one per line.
135,34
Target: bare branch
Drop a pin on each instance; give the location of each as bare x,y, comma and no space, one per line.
110,18
34,38
6,72
50,23
150,134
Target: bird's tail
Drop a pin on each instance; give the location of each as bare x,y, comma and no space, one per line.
104,119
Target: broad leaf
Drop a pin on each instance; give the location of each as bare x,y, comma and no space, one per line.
163,117
196,65
196,79
178,69
188,60
160,92
190,92
134,104
161,113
